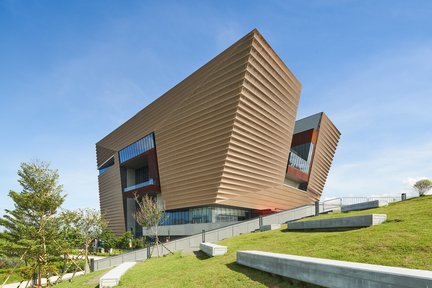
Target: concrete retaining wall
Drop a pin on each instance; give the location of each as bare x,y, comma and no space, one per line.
339,223
333,273
270,227
363,205
187,229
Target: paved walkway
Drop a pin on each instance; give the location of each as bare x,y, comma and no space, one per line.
90,256
52,279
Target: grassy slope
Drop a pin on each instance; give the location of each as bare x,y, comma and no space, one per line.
404,240
90,280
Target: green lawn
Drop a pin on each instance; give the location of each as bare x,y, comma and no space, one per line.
89,280
13,277
404,240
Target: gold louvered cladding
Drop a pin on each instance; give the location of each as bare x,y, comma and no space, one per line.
328,138
110,197
223,136
261,139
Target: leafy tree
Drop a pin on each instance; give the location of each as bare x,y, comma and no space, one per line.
422,186
71,234
150,215
90,225
32,229
2,244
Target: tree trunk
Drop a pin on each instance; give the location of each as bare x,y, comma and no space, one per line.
45,257
39,284
86,262
65,258
157,241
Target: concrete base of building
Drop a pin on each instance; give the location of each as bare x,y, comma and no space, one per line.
342,223
364,205
333,273
270,227
187,229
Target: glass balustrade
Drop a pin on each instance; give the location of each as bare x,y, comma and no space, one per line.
140,185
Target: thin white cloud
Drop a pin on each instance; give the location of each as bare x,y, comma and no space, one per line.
389,172
381,110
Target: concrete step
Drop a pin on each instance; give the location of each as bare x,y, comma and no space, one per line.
213,249
364,206
112,277
342,223
334,273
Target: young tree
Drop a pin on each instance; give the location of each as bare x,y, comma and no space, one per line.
32,227
70,234
149,215
90,225
422,186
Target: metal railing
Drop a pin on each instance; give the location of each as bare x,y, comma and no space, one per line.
192,242
337,203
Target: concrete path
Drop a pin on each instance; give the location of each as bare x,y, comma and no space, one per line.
112,277
52,279
90,256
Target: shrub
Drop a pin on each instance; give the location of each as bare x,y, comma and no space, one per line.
124,242
139,243
10,262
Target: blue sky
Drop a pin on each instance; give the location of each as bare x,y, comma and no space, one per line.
64,65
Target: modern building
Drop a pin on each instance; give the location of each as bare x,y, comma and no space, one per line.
221,146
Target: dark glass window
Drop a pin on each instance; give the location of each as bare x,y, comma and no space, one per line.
137,148
141,175
300,157
206,215
104,167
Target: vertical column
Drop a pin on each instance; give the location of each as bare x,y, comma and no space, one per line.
130,177
152,166
130,212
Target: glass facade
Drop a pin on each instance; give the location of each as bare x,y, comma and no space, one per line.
137,148
300,157
206,215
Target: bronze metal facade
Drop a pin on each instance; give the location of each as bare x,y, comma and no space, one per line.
222,136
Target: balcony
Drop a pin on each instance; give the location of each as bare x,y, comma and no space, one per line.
140,185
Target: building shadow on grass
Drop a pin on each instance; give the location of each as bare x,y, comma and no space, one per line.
268,279
308,231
